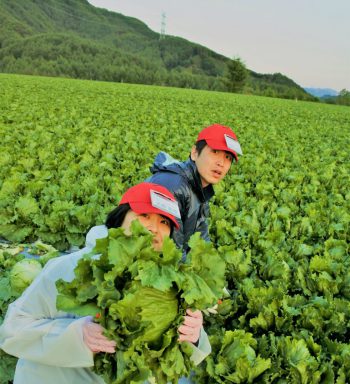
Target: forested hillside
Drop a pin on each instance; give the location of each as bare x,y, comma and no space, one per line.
72,38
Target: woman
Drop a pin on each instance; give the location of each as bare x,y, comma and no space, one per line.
55,347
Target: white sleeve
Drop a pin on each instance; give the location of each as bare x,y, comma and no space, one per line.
33,329
203,349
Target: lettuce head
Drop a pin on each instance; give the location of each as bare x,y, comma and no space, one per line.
23,273
140,297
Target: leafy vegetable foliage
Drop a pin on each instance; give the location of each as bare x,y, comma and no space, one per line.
280,217
140,296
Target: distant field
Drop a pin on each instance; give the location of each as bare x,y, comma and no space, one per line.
280,220
69,148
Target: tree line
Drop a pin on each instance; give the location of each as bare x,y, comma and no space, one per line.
342,99
70,56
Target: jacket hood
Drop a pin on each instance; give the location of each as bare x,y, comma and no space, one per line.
188,169
97,232
164,162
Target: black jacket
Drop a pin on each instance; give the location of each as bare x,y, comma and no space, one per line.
183,180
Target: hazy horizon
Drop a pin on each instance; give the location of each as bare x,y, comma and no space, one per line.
306,41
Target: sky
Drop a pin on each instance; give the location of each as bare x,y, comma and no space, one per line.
306,40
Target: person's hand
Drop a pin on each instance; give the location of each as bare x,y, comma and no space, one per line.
94,339
191,327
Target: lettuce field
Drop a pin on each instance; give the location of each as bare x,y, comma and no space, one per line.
280,219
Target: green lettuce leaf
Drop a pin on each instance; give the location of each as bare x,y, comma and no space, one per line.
140,297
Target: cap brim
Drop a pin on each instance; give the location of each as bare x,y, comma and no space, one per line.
213,144
148,208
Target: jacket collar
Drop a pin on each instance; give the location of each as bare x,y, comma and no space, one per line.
164,162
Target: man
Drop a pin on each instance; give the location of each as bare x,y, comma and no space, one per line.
192,181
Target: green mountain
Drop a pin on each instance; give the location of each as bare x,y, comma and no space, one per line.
72,38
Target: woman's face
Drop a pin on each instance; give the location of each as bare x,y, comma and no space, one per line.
157,224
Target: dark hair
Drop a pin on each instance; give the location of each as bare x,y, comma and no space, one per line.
200,145
116,217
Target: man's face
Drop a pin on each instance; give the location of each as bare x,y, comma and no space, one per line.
212,164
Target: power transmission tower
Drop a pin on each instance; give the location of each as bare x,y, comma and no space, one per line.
162,28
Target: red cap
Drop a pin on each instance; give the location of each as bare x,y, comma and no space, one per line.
152,198
221,138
